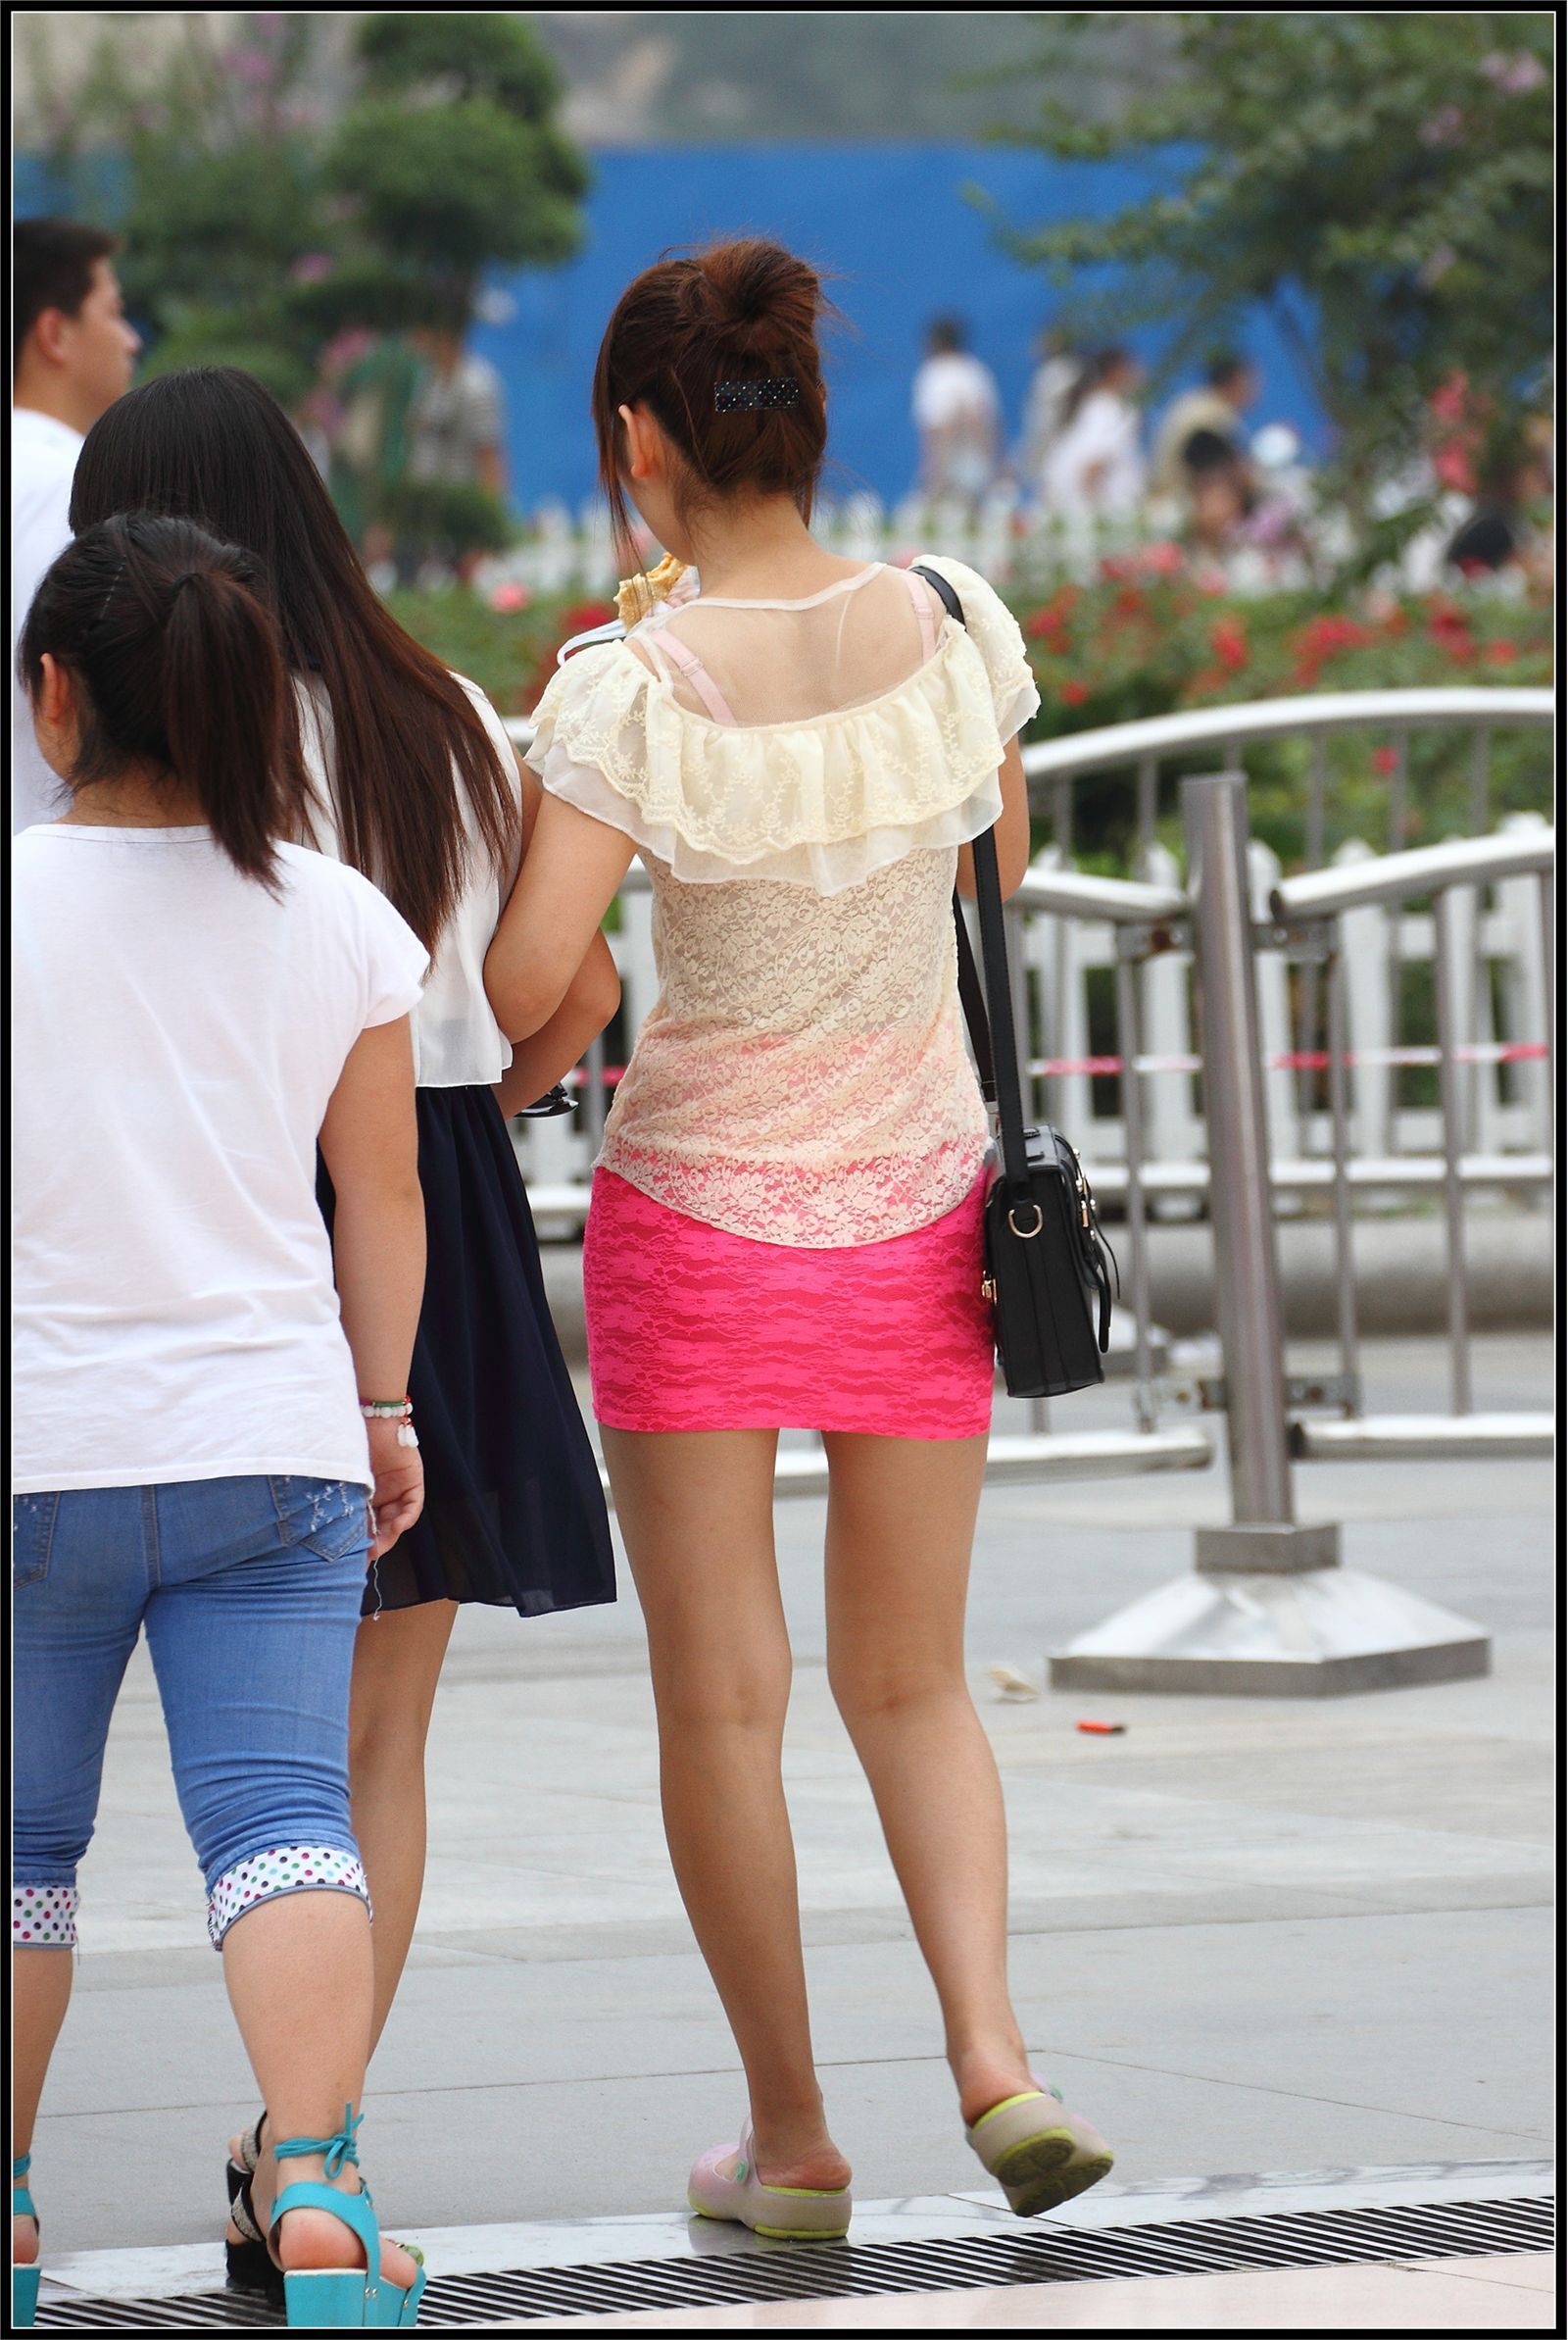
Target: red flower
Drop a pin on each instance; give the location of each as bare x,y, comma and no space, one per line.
1385,760
585,616
1502,654
1074,694
1229,639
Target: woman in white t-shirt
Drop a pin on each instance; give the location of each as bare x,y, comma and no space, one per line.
1095,465
200,1414
413,781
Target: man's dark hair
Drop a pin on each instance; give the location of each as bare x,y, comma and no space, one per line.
1225,368
944,336
52,261
1207,451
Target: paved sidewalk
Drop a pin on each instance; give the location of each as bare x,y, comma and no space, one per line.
1250,1935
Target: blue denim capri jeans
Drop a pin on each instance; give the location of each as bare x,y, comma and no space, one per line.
249,1590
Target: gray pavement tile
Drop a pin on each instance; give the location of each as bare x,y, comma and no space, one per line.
1249,1935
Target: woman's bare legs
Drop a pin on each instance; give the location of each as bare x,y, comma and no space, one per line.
298,1971
899,1531
40,1993
396,1664
696,1510
398,1658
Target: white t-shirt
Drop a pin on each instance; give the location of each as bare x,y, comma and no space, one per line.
454,417
456,1040
952,387
1100,439
178,1033
43,463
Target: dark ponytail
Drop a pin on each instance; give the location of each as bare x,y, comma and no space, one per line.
178,673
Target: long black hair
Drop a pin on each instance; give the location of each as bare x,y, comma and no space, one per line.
412,761
178,673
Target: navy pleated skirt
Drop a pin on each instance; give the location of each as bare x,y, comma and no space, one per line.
514,1511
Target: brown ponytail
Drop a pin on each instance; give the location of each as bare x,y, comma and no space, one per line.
177,672
737,312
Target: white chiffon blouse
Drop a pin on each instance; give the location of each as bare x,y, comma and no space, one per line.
798,778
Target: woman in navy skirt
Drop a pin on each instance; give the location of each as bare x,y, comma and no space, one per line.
416,785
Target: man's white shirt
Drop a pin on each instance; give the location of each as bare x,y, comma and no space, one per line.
43,463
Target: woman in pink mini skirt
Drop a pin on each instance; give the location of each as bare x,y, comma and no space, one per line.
785,1229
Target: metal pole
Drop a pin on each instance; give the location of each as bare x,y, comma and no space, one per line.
1017,935
1129,1041
1548,975
1241,1201
1480,965
592,1117
1307,1019
1480,780
1400,793
1449,1072
1148,809
1344,1218
1055,1040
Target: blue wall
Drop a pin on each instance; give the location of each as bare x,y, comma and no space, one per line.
891,222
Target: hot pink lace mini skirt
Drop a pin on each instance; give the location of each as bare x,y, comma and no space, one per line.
693,1328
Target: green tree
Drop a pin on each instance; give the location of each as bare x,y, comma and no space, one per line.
1382,183
450,159
257,230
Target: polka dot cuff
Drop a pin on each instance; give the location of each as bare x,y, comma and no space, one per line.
286,1869
44,1917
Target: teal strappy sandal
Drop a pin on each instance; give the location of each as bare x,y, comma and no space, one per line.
23,2279
326,2298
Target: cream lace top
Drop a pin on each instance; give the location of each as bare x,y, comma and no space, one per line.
799,777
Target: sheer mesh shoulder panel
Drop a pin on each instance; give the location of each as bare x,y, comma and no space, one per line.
781,662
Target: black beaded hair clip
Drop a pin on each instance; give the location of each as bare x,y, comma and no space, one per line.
739,398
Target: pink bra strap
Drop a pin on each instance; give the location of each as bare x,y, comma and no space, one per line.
922,610
666,645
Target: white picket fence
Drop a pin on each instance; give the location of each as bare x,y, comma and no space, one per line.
1007,538
1499,987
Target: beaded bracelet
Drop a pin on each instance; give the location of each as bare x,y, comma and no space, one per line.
398,1410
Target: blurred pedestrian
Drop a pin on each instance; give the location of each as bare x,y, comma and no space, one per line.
1513,493
1096,468
1217,406
1219,494
957,413
73,352
412,781
456,429
1054,377
196,1005
785,1227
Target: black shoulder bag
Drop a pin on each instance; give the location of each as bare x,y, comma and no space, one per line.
1048,1267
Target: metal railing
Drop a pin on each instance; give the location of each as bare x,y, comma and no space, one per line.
1312,908
1396,1145
1143,930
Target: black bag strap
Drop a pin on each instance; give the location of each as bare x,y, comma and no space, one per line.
992,1035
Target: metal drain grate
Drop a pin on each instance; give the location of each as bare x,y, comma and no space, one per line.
835,2271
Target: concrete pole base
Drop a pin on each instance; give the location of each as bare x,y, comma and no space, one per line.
1316,1633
